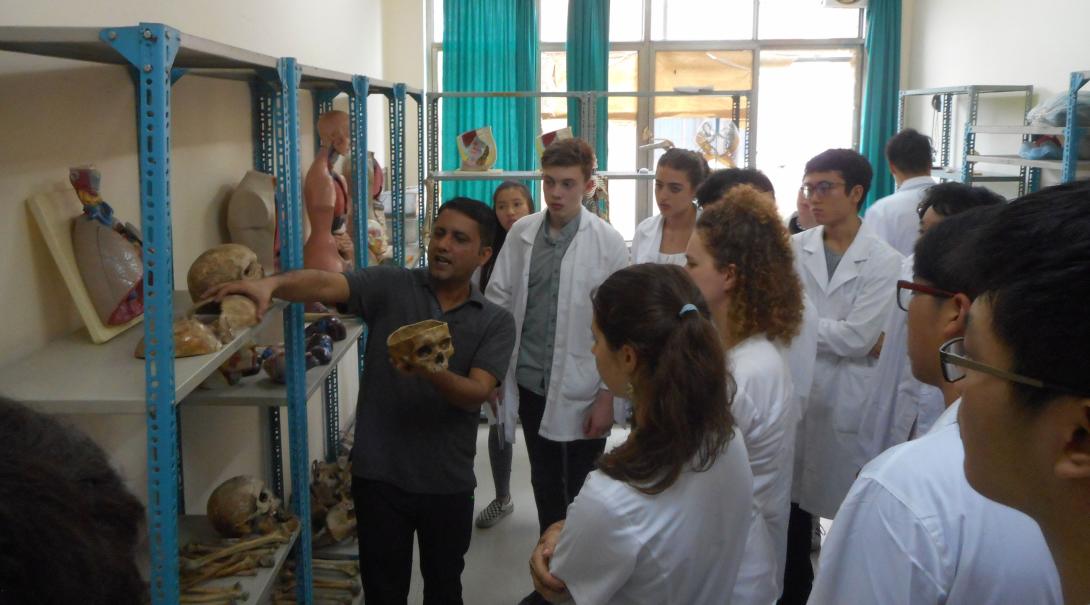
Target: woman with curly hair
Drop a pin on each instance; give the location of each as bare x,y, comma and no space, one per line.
740,257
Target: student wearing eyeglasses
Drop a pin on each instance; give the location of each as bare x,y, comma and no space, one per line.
900,407
848,275
1023,368
911,529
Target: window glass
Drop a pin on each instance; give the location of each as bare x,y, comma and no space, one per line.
625,20
553,20
702,19
805,20
794,125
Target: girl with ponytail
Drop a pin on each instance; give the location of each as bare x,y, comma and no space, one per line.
665,517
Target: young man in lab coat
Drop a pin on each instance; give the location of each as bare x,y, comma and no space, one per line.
893,218
550,264
900,407
912,530
849,275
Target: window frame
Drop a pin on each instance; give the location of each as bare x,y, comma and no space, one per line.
646,50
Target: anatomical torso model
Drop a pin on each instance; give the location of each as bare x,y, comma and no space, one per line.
326,196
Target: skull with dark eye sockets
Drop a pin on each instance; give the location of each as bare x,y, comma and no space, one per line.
426,344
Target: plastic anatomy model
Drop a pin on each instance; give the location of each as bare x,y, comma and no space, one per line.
107,253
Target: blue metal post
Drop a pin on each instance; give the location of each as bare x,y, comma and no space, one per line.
1072,132
264,142
291,258
151,49
397,170
333,416
361,199
421,190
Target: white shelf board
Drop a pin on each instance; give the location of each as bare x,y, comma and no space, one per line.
1014,160
72,375
260,587
466,175
260,390
1053,130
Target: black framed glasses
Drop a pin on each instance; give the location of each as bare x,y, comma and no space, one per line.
820,189
954,363
907,289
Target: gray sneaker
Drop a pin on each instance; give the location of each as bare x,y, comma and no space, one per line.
494,513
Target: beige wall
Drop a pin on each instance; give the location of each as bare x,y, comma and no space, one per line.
992,42
403,54
61,113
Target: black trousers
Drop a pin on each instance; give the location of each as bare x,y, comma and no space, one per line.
387,519
798,571
557,468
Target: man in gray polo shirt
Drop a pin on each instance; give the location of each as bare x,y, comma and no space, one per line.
416,431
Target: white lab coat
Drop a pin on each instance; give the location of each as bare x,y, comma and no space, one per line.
897,401
893,218
913,532
595,253
682,546
851,310
766,411
647,240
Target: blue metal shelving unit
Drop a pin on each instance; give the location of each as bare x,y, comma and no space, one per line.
159,55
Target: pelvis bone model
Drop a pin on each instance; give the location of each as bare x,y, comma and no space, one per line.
425,344
107,253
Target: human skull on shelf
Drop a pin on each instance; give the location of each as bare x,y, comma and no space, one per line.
425,344
219,265
228,317
243,505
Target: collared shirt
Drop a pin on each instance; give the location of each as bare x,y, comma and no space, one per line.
406,433
535,358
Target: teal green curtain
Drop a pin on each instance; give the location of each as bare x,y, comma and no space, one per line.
880,91
588,66
489,46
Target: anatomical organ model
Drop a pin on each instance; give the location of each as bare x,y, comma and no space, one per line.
107,253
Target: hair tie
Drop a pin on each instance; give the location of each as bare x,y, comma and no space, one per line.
687,308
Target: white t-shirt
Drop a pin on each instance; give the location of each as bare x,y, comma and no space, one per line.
766,412
680,547
912,531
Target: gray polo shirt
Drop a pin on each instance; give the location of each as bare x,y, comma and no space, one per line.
535,359
406,433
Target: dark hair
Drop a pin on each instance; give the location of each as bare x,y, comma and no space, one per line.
479,212
721,181
683,417
853,168
945,254
793,225
909,152
569,152
68,525
691,163
950,198
746,231
501,233
1033,267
